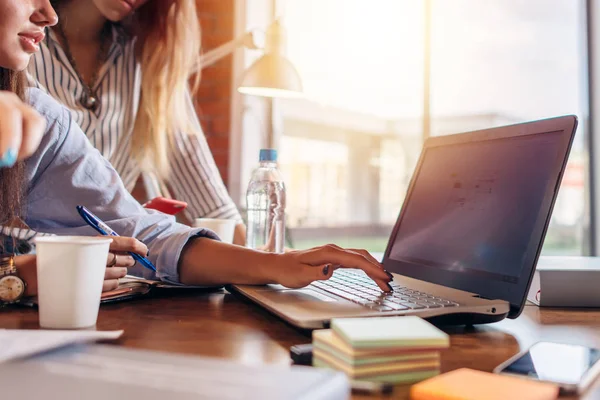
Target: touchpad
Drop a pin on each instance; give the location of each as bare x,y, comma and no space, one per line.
296,295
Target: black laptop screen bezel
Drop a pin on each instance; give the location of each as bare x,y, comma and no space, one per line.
513,293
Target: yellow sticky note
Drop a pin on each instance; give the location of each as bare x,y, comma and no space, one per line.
469,384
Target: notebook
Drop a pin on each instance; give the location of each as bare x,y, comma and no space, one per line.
383,332
22,343
468,384
101,372
132,287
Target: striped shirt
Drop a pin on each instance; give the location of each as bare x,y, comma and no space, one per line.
194,177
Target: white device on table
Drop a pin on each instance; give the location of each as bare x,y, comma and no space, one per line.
572,367
566,281
466,242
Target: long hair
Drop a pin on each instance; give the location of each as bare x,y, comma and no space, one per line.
11,179
168,50
169,37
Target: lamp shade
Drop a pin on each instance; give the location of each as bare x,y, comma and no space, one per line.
272,75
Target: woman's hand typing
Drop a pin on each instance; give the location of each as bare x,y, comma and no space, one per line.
299,268
209,262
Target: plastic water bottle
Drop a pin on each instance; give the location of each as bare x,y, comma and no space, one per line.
265,200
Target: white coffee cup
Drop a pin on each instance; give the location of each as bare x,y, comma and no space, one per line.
70,272
224,228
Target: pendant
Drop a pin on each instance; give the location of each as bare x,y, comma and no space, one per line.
90,102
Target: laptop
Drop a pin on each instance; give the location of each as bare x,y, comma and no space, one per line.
465,245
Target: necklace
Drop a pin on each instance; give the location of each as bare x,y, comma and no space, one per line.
89,99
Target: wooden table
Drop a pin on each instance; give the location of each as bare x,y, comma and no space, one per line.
223,325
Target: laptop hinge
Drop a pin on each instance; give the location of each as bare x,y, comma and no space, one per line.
482,297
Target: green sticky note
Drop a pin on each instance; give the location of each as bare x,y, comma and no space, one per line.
390,332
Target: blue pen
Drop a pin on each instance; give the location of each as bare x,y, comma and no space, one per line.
105,230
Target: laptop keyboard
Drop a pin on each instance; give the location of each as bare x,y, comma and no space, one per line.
356,286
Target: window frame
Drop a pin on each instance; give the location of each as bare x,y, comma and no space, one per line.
244,145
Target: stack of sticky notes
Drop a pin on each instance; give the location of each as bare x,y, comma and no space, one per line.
388,349
468,384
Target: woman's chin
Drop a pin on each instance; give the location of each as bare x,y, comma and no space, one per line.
22,66
116,16
18,63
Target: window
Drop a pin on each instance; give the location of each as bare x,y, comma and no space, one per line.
497,62
348,150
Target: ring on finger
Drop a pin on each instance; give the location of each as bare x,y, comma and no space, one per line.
113,262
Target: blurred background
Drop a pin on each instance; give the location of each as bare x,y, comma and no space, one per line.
379,77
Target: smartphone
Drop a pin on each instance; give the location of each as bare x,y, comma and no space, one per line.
167,206
572,367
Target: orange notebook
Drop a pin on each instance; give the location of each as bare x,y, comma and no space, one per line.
469,384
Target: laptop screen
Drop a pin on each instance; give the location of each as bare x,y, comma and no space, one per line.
473,210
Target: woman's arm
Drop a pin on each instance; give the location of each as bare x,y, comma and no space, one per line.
67,171
209,262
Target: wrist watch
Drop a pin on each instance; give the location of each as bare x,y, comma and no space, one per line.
12,287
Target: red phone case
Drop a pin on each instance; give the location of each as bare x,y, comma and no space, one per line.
167,206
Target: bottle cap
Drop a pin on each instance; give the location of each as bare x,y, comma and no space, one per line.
268,155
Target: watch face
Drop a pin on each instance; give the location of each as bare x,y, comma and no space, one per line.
11,288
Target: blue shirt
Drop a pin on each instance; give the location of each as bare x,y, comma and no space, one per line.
66,170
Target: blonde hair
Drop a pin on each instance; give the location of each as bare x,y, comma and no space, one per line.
169,37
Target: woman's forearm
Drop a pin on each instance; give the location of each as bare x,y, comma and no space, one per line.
205,261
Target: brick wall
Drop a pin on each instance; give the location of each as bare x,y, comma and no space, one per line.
213,100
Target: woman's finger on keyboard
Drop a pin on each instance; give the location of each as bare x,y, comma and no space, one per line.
373,259
323,272
329,254
367,255
359,251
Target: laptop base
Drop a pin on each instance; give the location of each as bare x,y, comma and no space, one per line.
297,314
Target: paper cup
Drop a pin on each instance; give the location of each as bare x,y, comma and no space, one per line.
224,228
70,272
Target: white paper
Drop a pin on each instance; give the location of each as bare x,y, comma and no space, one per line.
18,343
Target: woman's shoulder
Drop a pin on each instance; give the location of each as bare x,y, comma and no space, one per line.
43,103
58,119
